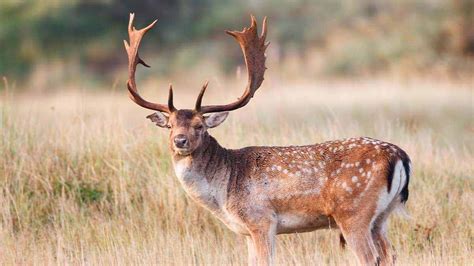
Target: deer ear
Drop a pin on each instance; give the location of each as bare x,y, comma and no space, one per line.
215,119
159,119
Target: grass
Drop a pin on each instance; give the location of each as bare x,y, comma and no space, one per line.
86,179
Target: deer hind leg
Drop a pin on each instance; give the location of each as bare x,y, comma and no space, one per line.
357,231
379,234
362,244
383,245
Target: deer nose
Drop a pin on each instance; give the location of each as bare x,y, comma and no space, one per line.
181,141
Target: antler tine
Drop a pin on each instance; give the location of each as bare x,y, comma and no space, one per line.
253,48
134,59
170,99
201,94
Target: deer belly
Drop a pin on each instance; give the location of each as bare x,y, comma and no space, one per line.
295,223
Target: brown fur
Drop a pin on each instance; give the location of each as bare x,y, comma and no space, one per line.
352,184
335,184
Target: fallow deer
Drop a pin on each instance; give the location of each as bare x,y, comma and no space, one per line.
352,184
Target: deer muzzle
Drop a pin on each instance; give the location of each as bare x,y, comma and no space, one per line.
181,141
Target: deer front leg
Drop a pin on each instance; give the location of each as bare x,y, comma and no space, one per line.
263,239
252,254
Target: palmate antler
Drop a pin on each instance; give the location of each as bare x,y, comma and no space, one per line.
133,60
253,48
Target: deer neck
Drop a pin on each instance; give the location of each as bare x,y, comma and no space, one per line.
204,174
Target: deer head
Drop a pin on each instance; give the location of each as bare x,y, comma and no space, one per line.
188,127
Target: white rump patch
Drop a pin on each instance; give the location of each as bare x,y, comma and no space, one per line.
398,181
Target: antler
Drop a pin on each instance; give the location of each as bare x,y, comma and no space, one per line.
253,48
133,60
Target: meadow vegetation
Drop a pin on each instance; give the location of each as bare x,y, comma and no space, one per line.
86,179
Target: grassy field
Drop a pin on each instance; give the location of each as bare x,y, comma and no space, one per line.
86,179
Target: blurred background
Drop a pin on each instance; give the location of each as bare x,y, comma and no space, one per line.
50,44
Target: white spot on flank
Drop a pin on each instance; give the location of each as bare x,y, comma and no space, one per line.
346,188
285,171
361,170
279,168
369,174
354,179
367,161
357,164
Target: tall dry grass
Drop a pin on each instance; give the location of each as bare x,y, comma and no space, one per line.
86,179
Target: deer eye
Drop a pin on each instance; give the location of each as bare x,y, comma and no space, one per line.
168,126
198,127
